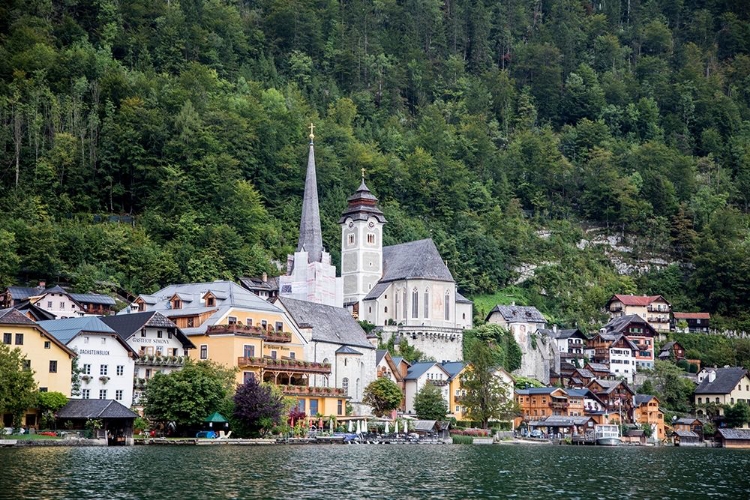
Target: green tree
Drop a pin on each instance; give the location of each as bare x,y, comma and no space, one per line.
48,403
671,387
487,397
188,396
429,403
17,383
737,415
384,395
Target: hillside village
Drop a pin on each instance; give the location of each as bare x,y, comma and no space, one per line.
303,333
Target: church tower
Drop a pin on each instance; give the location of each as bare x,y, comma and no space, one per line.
361,247
310,275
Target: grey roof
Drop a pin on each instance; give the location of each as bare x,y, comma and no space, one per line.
561,421
583,372
94,408
527,314
329,324
423,425
310,235
93,298
641,399
377,291
598,367
460,299
345,349
611,385
686,421
127,325
419,368
735,433
725,382
686,434
668,346
271,284
532,391
362,205
55,289
414,260
11,316
379,355
67,329
453,367
398,359
564,334
24,292
618,325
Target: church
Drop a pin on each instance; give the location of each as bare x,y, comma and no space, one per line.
406,290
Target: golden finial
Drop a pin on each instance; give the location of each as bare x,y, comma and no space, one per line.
312,129
363,174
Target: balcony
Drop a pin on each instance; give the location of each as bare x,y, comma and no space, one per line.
615,308
304,390
251,331
438,383
285,365
559,405
156,360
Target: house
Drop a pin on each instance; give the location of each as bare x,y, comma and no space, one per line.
686,438
264,287
646,412
537,402
519,320
722,386
457,392
616,352
592,406
116,419
15,295
600,370
672,351
581,377
617,396
386,366
571,343
62,304
421,373
161,346
653,308
688,424
640,333
697,322
49,359
106,361
733,438
565,426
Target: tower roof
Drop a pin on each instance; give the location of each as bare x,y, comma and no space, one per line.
362,205
310,235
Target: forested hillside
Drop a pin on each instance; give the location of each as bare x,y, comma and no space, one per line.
479,122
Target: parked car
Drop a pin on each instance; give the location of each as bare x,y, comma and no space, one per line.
536,433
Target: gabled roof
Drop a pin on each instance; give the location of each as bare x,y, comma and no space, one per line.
420,368
636,300
526,314
345,349
37,313
379,355
610,385
686,434
65,330
93,298
460,299
698,315
310,234
94,408
127,325
726,381
583,372
24,292
377,291
11,316
255,283
642,399
333,325
453,367
532,391
414,260
668,346
620,325
597,367
687,421
743,434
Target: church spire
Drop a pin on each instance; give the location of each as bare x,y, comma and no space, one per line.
310,235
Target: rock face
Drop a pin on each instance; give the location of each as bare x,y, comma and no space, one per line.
540,356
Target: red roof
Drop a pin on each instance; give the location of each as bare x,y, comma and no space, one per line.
692,316
637,300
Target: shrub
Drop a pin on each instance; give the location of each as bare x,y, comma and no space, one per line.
457,439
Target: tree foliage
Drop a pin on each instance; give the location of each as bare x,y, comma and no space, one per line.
487,397
257,407
429,403
186,397
384,395
737,415
17,383
671,386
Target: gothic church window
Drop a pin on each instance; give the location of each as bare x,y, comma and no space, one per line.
414,303
427,303
403,315
345,385
447,306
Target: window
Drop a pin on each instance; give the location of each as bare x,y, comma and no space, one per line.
118,394
7,338
159,350
313,407
427,303
273,354
350,239
414,303
43,389
447,306
102,393
19,339
148,373
210,301
249,351
169,335
231,320
403,314
159,334
143,332
53,366
279,326
717,399
301,405
86,393
47,344
340,407
190,322
292,355
247,377
103,369
87,369
85,340
49,304
104,340
120,370
458,408
176,304
345,385
264,324
204,351
62,305
371,238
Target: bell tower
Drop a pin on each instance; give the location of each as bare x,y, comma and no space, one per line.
361,247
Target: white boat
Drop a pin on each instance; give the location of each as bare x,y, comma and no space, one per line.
607,435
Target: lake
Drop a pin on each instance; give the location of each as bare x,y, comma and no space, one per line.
373,471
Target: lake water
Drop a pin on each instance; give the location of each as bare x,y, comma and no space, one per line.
374,471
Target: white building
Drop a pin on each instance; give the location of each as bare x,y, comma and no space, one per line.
107,362
420,374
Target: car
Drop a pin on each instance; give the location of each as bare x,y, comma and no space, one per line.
536,433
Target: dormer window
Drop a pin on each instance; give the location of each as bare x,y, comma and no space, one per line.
210,301
176,303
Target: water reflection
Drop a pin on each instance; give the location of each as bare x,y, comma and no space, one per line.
385,471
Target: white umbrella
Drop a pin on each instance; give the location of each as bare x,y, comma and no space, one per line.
406,426
330,425
387,428
364,426
396,424
359,427
350,426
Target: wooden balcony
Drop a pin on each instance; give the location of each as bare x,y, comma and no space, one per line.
304,390
155,360
285,365
251,331
559,405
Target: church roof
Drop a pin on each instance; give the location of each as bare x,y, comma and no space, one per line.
310,234
345,349
377,291
362,205
526,314
414,260
333,325
460,299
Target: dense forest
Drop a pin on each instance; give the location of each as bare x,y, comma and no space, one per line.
153,141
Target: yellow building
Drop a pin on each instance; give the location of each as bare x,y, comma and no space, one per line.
456,392
646,412
49,359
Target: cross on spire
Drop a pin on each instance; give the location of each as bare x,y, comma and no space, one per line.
312,129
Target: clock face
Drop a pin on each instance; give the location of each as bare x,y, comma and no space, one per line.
351,224
371,224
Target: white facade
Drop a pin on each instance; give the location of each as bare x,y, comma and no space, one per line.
361,257
434,374
622,363
107,367
59,304
312,281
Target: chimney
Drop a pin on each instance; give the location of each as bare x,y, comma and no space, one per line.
265,277
42,284
554,328
711,376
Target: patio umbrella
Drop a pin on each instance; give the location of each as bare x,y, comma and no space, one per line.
406,426
350,426
364,426
396,424
330,425
387,428
359,428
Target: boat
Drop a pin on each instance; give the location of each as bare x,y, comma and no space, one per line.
607,435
